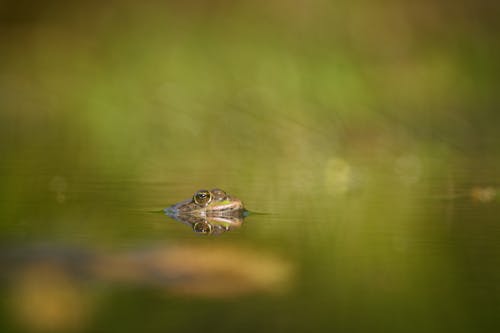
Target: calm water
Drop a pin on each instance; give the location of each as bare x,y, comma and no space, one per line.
368,136
371,250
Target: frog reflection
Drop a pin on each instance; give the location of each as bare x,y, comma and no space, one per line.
212,225
209,212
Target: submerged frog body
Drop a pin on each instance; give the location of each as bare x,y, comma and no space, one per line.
209,212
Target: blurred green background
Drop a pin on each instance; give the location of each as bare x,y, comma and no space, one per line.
369,131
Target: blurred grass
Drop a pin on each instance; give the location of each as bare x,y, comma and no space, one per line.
205,78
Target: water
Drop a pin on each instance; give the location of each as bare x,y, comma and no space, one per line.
375,168
369,250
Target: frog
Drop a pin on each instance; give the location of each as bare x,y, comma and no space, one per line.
209,212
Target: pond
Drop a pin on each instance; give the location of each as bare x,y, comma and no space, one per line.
371,175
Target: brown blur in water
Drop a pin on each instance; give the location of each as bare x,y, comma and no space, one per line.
45,293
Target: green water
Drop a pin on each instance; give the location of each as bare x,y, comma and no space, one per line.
369,137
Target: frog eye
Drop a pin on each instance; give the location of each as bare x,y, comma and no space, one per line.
202,197
218,194
202,227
